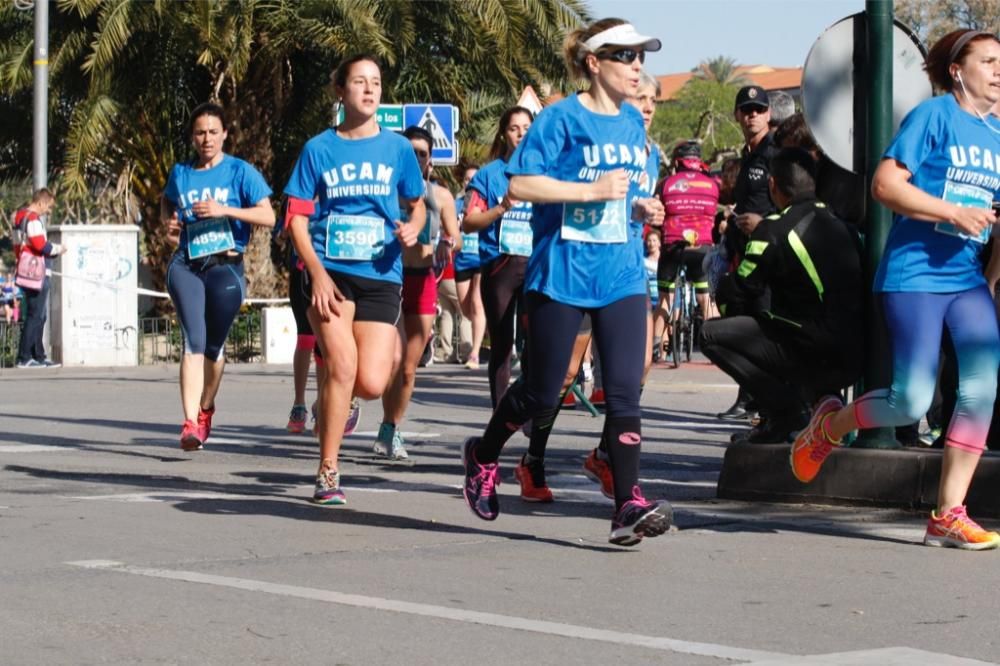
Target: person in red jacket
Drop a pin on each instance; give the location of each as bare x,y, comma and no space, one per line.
29,236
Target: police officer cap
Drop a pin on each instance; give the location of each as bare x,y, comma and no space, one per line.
752,96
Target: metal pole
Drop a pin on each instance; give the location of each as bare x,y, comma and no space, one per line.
40,164
879,35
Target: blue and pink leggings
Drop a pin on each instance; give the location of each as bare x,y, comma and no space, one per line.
915,327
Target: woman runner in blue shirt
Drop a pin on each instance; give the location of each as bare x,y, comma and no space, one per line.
583,166
212,201
468,277
940,176
504,227
344,198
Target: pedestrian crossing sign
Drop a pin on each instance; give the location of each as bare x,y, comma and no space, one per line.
441,122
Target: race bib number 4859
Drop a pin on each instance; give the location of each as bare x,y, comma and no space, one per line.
209,236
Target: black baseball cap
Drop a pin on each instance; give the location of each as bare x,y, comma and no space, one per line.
752,96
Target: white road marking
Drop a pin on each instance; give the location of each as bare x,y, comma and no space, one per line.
416,436
31,448
721,425
442,612
893,656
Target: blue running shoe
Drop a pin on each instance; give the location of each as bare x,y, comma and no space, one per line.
640,518
389,445
328,490
481,481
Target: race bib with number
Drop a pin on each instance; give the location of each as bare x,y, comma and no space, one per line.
598,222
515,237
470,243
208,237
355,237
966,196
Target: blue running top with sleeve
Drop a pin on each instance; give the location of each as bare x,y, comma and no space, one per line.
232,182
570,143
468,258
491,182
360,179
954,156
652,171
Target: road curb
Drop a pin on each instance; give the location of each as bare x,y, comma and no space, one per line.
906,478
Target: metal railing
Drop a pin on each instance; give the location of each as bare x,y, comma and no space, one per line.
10,337
161,339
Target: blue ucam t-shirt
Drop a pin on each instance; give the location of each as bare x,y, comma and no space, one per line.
952,155
511,234
358,183
232,182
586,255
468,258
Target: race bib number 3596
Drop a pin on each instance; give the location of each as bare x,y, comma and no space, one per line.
355,237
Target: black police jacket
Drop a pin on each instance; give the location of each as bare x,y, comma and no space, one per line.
811,262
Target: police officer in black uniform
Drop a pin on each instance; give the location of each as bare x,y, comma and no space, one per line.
808,343
751,196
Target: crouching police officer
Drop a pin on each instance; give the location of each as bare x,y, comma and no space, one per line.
809,343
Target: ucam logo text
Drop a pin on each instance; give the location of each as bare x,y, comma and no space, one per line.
220,194
350,172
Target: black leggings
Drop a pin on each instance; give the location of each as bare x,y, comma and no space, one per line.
502,289
620,335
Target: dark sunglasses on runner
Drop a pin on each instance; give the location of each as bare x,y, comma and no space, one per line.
624,56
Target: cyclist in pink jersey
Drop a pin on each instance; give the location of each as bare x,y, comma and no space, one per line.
691,198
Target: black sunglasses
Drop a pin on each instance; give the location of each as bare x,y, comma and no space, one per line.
624,56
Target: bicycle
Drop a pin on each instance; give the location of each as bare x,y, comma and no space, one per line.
683,313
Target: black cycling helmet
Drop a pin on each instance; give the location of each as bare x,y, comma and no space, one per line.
687,157
687,149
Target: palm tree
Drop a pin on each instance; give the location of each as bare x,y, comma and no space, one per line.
125,73
721,69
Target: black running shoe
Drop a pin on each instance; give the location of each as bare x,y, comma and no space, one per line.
481,481
640,518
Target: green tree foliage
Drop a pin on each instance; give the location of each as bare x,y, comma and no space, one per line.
703,110
124,74
931,19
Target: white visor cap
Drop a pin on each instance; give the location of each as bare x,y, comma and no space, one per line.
622,35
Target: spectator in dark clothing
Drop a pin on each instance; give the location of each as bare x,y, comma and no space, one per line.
809,343
842,190
751,196
753,200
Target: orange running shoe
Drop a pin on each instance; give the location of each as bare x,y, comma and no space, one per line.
812,445
569,400
531,476
599,471
956,530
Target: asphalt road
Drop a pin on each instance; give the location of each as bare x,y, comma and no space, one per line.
117,547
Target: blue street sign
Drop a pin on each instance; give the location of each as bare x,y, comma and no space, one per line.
441,121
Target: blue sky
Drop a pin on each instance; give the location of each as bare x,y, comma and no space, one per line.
772,32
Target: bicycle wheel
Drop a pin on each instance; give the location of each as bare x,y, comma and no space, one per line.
676,340
688,338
